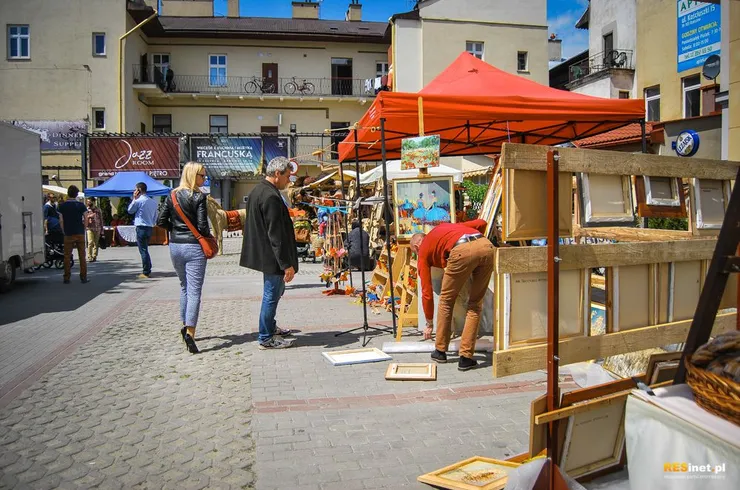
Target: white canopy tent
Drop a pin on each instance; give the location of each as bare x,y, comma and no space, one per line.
62,191
394,172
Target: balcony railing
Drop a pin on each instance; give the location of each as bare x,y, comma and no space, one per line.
606,60
252,85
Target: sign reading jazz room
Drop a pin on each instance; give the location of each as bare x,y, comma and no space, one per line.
698,33
159,157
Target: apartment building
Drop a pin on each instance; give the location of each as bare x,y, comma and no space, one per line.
511,35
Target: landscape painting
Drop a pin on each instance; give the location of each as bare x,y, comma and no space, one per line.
420,152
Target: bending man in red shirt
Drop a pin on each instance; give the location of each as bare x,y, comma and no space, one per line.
463,251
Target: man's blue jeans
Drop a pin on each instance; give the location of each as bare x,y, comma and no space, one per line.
274,287
143,234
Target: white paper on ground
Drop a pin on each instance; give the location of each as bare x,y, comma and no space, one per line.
525,476
407,347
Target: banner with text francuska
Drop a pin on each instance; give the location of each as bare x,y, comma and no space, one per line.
236,156
159,157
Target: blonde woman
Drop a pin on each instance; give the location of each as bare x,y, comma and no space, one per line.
185,251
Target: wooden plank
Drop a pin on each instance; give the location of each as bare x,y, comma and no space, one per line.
513,260
622,234
581,408
597,391
578,349
534,157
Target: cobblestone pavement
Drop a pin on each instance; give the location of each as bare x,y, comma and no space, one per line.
97,390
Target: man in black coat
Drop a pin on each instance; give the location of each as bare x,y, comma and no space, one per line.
358,245
269,247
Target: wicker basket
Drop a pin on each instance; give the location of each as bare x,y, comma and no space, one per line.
714,393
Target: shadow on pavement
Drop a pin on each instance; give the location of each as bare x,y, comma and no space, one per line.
313,339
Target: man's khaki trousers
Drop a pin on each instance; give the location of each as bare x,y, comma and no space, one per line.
93,237
471,259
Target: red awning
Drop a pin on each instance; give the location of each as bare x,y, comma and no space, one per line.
475,108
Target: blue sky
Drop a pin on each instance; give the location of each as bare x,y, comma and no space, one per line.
561,15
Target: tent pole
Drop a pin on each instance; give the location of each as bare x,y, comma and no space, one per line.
346,219
387,215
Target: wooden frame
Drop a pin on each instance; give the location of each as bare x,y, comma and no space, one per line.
531,311
451,477
594,201
355,356
650,206
403,189
411,371
661,366
630,291
524,205
706,215
525,359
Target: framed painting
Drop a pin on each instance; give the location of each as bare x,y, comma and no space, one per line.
525,204
660,197
662,367
411,371
476,473
606,200
420,152
710,199
421,204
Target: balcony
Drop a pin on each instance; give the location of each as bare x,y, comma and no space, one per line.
151,81
600,63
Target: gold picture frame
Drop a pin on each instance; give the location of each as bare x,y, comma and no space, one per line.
411,371
606,200
476,473
421,204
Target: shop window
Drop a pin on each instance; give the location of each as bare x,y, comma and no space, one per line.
475,48
691,96
652,103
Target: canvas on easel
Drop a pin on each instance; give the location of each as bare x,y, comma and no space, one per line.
421,204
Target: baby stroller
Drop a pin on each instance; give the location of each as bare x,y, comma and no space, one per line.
54,252
303,228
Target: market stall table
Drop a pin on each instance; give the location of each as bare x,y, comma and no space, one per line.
124,235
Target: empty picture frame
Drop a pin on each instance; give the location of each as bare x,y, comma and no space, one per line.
476,473
660,197
685,289
710,202
355,356
630,289
594,439
523,306
410,371
525,204
606,200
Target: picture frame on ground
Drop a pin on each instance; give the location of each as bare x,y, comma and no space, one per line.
421,204
355,356
410,371
606,200
476,473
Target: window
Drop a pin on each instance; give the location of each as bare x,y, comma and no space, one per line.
652,103
381,68
219,124
474,48
98,40
217,70
142,128
624,94
19,42
522,61
98,118
691,96
608,43
162,123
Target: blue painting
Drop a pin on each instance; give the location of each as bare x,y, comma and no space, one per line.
598,319
422,204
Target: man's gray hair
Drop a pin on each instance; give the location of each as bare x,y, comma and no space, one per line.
277,164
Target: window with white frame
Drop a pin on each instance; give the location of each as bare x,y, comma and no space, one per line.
98,43
162,123
218,124
381,68
522,61
217,70
98,118
691,96
19,42
161,62
475,48
652,103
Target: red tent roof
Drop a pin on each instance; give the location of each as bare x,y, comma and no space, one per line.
475,108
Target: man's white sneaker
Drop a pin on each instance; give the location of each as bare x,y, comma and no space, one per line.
275,343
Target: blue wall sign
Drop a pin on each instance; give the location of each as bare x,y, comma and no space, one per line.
686,144
698,33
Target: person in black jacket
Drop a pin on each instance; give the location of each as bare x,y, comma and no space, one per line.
185,250
269,247
358,245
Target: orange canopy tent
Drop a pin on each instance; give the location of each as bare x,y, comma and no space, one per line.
476,107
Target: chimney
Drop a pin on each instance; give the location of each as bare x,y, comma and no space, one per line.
554,48
305,10
187,8
232,8
354,12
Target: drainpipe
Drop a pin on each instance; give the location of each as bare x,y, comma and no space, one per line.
393,54
120,67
